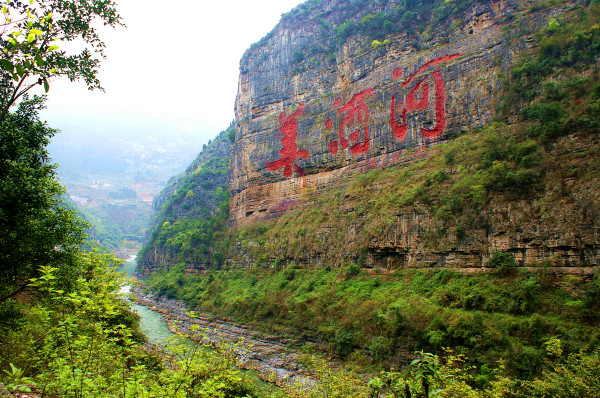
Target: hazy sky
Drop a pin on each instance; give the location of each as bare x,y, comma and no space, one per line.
173,69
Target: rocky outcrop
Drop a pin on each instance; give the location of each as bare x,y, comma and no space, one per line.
267,354
304,123
565,241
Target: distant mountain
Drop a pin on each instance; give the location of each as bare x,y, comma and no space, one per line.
112,179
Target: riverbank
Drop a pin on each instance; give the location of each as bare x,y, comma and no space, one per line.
266,354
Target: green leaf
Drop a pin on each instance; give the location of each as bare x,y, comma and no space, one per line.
30,38
7,65
46,85
36,32
39,60
52,48
20,70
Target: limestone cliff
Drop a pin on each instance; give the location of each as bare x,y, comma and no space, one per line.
316,105
305,118
339,90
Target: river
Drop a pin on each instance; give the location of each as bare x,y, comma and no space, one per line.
151,322
155,328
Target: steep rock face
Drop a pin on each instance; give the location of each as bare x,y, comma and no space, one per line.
304,123
307,121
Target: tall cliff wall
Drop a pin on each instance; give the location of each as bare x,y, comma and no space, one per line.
341,89
316,105
305,119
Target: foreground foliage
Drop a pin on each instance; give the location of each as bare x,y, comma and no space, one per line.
85,342
37,229
431,376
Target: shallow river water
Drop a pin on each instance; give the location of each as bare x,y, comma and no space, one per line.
155,328
151,322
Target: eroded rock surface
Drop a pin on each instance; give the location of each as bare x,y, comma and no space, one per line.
303,126
307,121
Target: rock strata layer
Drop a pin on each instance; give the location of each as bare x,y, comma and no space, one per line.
306,122
305,125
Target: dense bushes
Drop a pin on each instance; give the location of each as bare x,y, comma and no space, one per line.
556,89
487,316
34,221
359,17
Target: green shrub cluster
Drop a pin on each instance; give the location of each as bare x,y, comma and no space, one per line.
557,89
410,17
487,317
353,18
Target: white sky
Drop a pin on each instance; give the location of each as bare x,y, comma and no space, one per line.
173,69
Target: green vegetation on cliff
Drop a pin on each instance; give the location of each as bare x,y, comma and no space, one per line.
192,212
419,21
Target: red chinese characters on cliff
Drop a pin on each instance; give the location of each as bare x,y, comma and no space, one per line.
353,129
290,152
356,119
417,99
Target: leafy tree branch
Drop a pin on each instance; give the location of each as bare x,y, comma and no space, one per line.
32,38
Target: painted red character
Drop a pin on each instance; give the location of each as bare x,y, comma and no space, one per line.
290,152
411,103
355,115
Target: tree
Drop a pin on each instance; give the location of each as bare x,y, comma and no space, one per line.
31,33
36,229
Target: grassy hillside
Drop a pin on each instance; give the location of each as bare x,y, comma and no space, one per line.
382,319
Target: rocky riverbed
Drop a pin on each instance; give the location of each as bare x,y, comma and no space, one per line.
267,354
